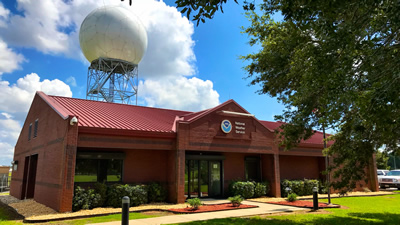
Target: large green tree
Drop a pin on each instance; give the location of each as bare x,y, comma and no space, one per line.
334,64
204,9
382,159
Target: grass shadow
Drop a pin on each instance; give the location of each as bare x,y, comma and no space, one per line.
7,213
385,218
351,218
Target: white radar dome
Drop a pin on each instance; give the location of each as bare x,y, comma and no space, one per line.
113,32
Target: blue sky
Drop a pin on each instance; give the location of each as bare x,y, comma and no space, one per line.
198,67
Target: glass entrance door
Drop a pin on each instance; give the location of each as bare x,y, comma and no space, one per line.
215,178
202,178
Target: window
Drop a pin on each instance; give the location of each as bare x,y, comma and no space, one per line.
252,169
86,170
36,128
30,132
89,168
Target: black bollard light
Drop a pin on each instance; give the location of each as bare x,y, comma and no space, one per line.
315,198
125,211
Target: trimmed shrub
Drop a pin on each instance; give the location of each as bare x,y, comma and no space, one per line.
156,192
260,189
300,187
244,189
101,189
85,199
236,200
292,197
230,187
322,187
309,185
285,184
137,195
194,203
267,187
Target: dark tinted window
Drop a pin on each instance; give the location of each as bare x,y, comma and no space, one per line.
252,169
98,170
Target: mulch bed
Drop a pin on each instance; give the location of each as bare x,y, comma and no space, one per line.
305,204
211,208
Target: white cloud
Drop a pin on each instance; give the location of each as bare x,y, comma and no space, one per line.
52,26
4,13
38,26
15,100
71,81
9,132
9,60
170,44
182,93
7,152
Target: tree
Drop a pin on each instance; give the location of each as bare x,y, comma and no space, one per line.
382,159
341,58
204,9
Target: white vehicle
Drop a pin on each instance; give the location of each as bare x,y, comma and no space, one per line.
391,179
380,174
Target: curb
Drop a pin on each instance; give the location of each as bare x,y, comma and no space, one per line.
133,211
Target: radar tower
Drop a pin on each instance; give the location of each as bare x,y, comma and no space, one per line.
114,40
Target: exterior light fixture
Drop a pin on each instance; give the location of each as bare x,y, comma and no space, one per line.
14,165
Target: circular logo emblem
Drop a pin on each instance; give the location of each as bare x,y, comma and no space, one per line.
226,126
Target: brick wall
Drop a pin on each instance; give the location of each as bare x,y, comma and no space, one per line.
54,139
300,167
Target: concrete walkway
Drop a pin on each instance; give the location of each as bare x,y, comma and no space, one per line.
264,208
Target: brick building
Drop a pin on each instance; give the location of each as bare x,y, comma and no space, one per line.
66,141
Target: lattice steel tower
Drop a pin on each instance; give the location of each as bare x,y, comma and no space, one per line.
112,80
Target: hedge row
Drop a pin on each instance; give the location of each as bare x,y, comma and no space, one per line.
249,189
102,195
301,187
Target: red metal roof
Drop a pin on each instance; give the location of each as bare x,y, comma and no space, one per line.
96,114
316,139
118,116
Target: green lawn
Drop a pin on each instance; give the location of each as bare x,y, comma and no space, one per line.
93,178
361,210
101,219
6,220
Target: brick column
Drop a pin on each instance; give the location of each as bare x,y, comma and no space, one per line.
276,181
70,149
178,187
